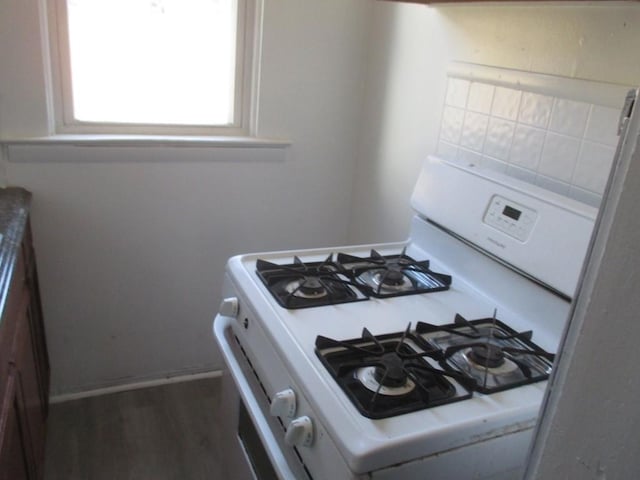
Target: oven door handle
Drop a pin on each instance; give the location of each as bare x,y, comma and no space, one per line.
220,324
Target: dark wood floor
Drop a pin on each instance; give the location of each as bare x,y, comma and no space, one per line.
159,433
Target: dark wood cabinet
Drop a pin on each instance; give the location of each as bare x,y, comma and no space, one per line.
15,458
24,365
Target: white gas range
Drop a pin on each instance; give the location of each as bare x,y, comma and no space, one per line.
425,358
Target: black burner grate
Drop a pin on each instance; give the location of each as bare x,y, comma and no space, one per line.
385,276
389,375
349,279
301,285
397,373
489,351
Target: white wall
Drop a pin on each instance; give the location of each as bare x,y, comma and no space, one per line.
23,98
587,431
131,242
411,46
591,415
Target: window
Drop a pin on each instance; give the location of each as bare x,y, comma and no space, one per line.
152,66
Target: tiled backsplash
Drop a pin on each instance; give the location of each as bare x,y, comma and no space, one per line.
561,144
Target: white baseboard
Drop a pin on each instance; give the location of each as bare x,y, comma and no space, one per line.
66,397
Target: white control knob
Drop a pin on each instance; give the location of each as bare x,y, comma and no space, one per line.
299,432
229,307
283,404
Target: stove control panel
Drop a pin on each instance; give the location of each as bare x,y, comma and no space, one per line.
510,217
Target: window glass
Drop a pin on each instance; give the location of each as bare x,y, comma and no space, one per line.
166,62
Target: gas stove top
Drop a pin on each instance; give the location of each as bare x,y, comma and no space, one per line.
398,373
348,279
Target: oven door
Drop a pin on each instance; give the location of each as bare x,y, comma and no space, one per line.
254,447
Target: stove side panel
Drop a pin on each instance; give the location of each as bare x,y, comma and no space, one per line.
500,458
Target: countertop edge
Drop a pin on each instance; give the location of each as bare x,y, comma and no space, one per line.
15,205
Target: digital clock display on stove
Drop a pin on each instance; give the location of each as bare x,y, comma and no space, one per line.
510,217
511,212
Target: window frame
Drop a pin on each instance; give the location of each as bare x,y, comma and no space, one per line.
248,33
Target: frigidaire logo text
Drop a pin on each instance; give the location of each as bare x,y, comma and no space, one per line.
496,243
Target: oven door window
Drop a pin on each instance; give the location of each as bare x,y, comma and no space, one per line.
253,446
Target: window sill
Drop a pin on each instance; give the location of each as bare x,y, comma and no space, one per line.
85,140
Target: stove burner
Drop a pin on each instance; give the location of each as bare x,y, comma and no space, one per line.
481,371
390,372
307,287
392,275
391,278
486,355
367,377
